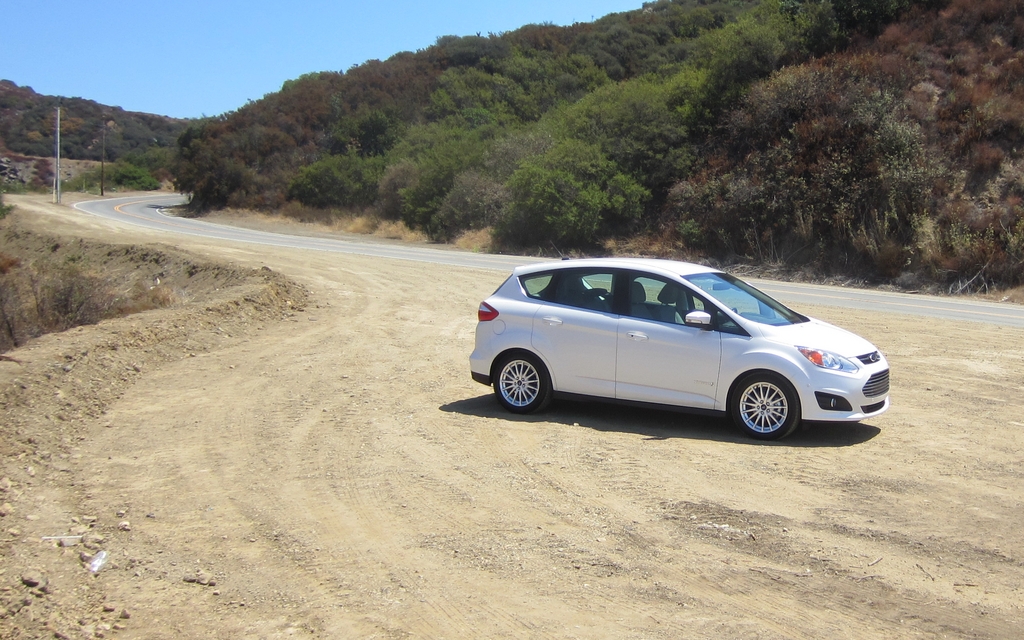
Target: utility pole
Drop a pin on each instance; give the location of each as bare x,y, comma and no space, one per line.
103,155
56,153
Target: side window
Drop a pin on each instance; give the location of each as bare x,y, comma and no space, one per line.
654,299
537,285
585,289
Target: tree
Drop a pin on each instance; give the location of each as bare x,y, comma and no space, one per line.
570,195
635,127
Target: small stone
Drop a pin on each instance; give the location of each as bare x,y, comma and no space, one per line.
124,614
5,509
124,525
69,542
150,515
33,517
33,578
122,513
5,484
109,608
190,579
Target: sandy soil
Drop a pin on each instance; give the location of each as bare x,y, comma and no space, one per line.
272,462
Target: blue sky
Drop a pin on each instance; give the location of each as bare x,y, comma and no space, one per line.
192,58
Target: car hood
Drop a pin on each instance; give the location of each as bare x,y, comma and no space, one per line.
816,334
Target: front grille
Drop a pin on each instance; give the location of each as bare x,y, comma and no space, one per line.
870,358
871,408
877,385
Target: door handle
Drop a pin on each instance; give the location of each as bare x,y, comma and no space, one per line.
636,335
552,320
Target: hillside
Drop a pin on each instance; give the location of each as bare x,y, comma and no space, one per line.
875,138
900,157
89,130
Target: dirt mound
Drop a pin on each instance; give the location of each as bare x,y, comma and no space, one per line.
56,383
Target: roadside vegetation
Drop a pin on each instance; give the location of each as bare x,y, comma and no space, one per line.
47,285
5,209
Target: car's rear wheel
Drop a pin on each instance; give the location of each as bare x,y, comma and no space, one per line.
522,383
765,406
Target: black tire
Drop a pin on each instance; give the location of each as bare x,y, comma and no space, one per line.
522,383
765,406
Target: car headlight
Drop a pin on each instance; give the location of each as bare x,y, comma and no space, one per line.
827,360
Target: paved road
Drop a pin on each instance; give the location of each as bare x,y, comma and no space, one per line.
147,211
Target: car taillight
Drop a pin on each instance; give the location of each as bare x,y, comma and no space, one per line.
486,312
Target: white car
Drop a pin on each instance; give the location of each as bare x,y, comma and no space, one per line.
671,334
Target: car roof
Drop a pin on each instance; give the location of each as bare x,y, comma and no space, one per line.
666,267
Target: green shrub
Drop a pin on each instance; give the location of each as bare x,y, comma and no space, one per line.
475,201
131,177
571,196
347,180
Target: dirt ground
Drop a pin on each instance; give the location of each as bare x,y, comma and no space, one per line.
313,460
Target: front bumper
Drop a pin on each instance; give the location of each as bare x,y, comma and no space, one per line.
835,398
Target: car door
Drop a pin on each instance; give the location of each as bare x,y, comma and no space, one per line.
659,358
575,331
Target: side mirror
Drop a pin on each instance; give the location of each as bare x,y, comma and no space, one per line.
698,319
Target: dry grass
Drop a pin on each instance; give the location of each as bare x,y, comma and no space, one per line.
478,240
7,263
322,221
655,246
363,225
143,298
395,230
48,295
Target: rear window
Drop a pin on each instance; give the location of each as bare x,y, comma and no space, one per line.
582,288
535,285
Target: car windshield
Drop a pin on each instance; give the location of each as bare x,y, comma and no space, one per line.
744,299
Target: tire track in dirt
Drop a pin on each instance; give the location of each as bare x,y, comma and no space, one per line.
375,478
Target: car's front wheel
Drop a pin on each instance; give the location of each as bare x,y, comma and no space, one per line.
522,383
765,406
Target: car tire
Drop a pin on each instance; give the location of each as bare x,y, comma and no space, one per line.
765,406
522,383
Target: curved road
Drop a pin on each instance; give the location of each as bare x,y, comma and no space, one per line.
148,211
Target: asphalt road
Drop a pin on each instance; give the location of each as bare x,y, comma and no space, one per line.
147,211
